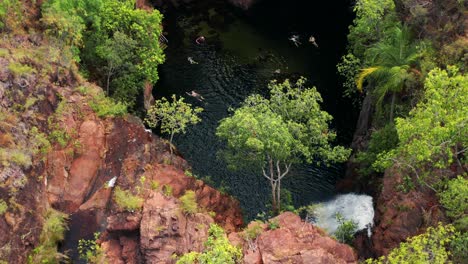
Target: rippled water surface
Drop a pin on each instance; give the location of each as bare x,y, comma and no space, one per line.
237,59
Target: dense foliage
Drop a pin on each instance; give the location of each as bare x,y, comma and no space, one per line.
218,250
53,231
434,246
173,117
392,61
436,129
455,197
274,133
116,43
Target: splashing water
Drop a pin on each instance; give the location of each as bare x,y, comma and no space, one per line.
356,207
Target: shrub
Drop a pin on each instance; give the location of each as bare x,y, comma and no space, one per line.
53,231
3,207
346,230
19,69
167,190
218,250
106,107
381,140
20,158
91,251
189,202
455,197
126,200
430,247
253,231
154,185
273,224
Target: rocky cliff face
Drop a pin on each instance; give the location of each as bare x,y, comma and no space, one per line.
292,241
42,100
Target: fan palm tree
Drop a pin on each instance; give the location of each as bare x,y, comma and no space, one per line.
393,62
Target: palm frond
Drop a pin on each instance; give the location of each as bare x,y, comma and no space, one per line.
364,73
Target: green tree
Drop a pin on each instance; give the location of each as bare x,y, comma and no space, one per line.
218,250
275,133
346,229
118,52
174,117
393,62
435,130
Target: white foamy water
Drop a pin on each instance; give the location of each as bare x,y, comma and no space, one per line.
356,207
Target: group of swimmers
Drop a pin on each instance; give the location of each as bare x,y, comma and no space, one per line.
201,39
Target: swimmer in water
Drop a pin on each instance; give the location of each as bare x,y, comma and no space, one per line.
196,95
295,40
200,40
312,40
191,60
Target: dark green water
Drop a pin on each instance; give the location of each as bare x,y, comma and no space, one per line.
242,52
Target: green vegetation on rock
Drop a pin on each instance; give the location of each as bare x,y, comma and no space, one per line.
218,250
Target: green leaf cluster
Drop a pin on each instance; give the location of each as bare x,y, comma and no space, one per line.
173,117
104,106
126,200
218,250
381,140
53,231
346,229
188,202
455,197
91,251
434,246
435,130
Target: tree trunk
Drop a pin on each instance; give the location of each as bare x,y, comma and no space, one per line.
392,106
170,143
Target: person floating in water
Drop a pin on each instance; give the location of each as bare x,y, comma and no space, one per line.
200,40
295,40
191,60
196,95
312,40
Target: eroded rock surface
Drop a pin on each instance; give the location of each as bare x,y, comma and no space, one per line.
295,241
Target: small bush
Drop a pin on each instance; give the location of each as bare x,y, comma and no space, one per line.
217,250
3,207
381,140
126,200
20,158
346,230
91,251
167,190
154,185
273,224
106,107
455,197
253,231
53,231
430,247
19,69
189,202
4,52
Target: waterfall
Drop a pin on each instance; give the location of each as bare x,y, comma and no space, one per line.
356,207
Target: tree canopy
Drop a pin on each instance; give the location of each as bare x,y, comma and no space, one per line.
173,117
392,63
435,130
274,133
117,44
